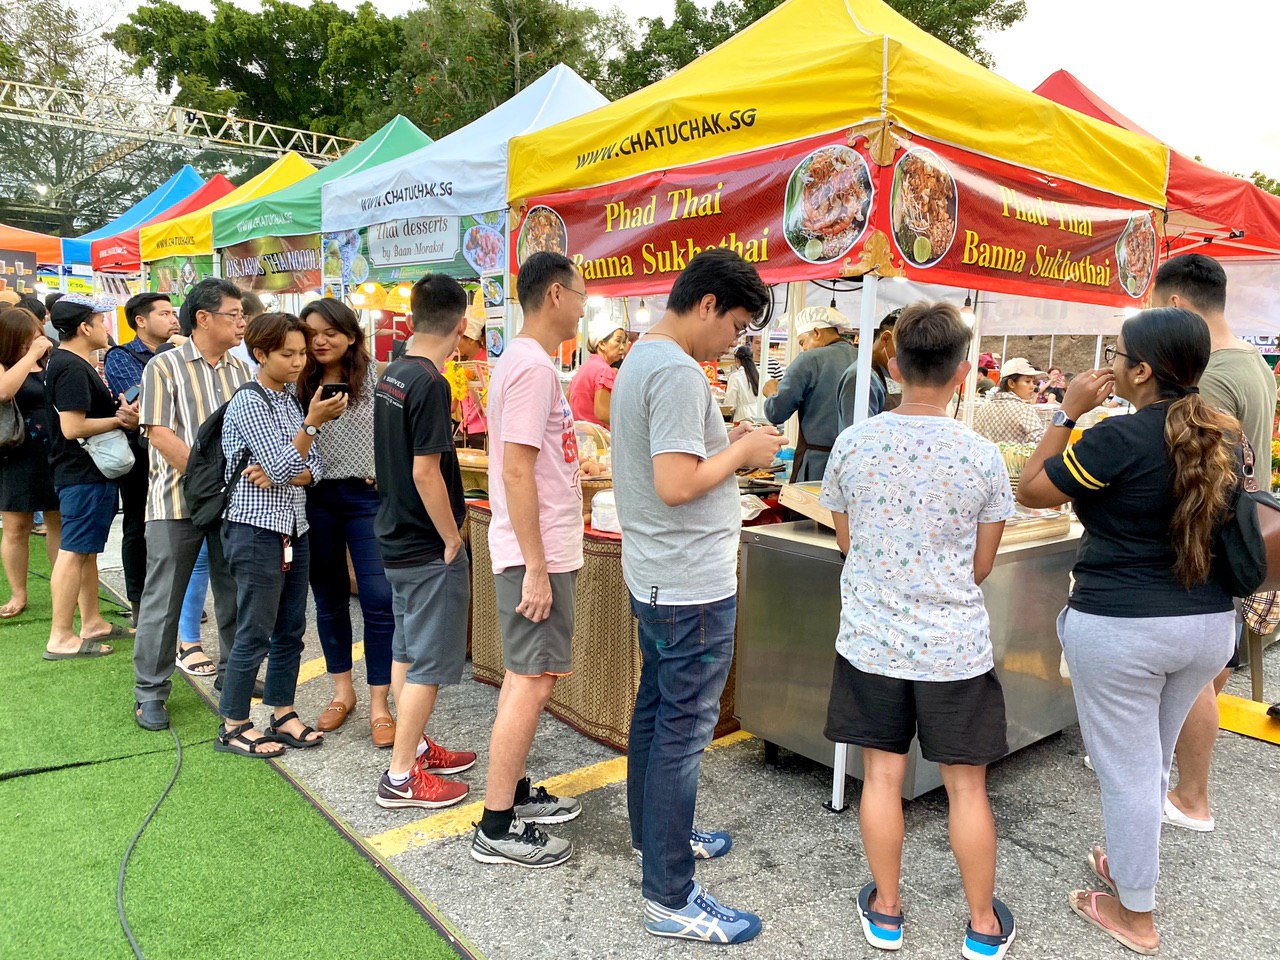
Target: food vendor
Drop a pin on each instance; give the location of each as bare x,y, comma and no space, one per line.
810,388
471,348
1009,417
591,388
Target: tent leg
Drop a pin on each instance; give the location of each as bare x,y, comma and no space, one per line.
866,334
838,777
1050,363
1004,351
1097,354
970,394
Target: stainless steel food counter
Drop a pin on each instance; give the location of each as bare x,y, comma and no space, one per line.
788,612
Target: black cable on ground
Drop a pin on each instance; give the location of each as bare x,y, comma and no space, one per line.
124,864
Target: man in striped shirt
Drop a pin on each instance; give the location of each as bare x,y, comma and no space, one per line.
180,390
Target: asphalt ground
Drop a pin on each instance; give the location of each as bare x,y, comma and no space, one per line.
793,863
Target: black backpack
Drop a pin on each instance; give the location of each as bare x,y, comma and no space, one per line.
204,485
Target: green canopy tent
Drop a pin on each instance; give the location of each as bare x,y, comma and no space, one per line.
295,210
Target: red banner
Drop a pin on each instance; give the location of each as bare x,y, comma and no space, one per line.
823,208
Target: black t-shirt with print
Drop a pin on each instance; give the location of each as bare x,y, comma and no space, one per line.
411,419
1120,475
71,383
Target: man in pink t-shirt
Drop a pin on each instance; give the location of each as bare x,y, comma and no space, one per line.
536,543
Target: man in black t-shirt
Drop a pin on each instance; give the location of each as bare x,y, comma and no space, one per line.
84,408
417,526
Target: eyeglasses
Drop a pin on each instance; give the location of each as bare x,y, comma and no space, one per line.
1109,354
234,314
581,293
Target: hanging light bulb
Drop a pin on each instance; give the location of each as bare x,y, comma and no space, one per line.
966,312
369,287
642,315
358,299
403,291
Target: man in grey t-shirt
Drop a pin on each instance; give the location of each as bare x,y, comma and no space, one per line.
1239,382
673,470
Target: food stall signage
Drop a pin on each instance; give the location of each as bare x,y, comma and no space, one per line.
274,264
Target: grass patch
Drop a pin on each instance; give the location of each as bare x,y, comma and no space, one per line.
237,864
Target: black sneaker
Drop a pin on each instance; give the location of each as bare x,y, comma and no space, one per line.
523,845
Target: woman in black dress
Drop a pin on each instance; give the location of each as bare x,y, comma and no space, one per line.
26,485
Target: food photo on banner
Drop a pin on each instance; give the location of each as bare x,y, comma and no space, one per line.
18,271
274,264
834,205
176,276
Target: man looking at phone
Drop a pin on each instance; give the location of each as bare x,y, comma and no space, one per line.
180,389
152,317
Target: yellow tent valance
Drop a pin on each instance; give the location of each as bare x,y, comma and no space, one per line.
193,234
816,66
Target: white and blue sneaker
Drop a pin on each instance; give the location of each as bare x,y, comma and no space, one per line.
702,918
705,845
882,930
982,946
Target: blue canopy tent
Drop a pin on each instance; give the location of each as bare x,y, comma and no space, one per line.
173,191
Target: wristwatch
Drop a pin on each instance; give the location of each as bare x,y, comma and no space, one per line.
1060,419
309,430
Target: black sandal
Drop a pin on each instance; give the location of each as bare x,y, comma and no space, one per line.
298,743
196,670
234,741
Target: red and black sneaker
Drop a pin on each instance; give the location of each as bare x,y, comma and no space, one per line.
421,790
442,762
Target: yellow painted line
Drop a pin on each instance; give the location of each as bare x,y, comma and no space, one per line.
1247,718
459,820
316,668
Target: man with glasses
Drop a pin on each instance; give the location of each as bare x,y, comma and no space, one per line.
673,470
152,318
180,390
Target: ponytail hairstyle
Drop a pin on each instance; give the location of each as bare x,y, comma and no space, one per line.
1201,440
744,357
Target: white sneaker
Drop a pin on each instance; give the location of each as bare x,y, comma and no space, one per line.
1179,819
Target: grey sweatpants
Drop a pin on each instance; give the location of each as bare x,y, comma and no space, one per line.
1134,682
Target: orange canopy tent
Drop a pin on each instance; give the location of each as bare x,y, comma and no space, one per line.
47,249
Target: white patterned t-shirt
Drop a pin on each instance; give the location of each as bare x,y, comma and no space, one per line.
915,490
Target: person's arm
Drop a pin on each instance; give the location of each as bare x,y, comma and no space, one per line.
1054,474
435,499
278,459
1033,427
681,478
77,426
520,482
71,394
170,446
119,370
793,389
841,522
603,398
157,416
984,554
12,379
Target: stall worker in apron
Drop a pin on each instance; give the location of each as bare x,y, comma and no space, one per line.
811,388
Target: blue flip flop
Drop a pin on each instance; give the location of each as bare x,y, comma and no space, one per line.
880,937
984,946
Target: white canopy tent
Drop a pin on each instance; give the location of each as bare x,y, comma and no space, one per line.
463,174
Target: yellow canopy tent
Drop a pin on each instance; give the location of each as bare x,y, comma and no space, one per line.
192,235
818,66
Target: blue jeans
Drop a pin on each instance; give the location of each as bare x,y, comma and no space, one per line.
193,602
686,651
341,514
271,615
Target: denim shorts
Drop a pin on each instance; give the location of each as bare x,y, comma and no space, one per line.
87,512
431,603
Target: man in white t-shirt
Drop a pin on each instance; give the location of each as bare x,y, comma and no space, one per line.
535,540
673,471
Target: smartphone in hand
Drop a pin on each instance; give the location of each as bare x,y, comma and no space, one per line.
330,390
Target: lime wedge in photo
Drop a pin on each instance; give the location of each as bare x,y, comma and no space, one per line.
921,249
813,249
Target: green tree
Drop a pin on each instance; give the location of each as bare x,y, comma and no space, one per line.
302,66
1264,182
666,47
462,59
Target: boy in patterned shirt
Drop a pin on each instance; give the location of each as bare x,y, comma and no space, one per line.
919,502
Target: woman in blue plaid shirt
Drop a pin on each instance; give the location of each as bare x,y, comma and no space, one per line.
268,438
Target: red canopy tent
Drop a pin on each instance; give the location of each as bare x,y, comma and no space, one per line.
119,254
1208,212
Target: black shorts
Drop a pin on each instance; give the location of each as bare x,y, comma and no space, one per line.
957,721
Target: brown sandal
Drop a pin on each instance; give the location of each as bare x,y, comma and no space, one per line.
333,716
383,731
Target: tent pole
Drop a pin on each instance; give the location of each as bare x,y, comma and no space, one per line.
970,395
1097,354
1050,363
866,335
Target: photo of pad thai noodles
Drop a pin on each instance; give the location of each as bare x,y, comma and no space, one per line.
828,203
923,207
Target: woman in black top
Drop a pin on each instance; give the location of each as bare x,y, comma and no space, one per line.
1148,624
25,483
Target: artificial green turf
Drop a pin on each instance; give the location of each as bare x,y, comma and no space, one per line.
237,864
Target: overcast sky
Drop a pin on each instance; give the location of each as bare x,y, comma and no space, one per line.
1202,78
